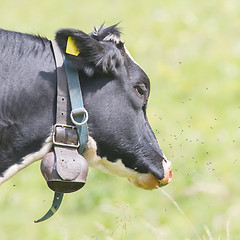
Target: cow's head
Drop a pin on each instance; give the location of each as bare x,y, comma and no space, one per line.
115,93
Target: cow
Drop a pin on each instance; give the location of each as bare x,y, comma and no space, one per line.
115,93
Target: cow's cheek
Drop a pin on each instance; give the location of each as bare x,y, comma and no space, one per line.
142,180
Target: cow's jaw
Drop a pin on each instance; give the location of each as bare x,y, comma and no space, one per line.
142,180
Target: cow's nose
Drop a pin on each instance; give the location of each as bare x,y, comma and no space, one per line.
167,166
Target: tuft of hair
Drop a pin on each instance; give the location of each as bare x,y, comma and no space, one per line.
112,59
107,34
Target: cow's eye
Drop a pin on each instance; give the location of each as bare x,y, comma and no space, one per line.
141,91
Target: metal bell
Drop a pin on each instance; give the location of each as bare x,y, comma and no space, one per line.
67,174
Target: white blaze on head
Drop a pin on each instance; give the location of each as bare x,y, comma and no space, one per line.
130,56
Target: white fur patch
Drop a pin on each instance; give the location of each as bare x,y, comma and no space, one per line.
115,168
27,160
142,180
112,38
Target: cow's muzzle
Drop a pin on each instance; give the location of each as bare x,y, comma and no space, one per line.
149,182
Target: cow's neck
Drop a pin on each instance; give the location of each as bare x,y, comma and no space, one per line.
27,160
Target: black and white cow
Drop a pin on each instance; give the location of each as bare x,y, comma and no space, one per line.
115,93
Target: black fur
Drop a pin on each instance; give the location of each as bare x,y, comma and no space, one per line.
27,95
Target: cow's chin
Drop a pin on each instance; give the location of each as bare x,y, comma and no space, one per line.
142,180
146,181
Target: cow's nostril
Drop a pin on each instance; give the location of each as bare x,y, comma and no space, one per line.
168,174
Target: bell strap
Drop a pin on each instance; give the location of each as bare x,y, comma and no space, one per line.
67,80
79,115
55,205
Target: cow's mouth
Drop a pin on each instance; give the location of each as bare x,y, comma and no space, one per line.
149,182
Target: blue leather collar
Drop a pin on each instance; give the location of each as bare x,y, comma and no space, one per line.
79,115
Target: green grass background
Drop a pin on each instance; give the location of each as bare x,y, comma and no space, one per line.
191,52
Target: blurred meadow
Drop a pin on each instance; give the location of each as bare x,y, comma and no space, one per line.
191,52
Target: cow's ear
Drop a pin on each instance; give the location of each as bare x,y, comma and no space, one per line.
83,51
87,54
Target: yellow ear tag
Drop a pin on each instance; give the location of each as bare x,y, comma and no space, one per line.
71,47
